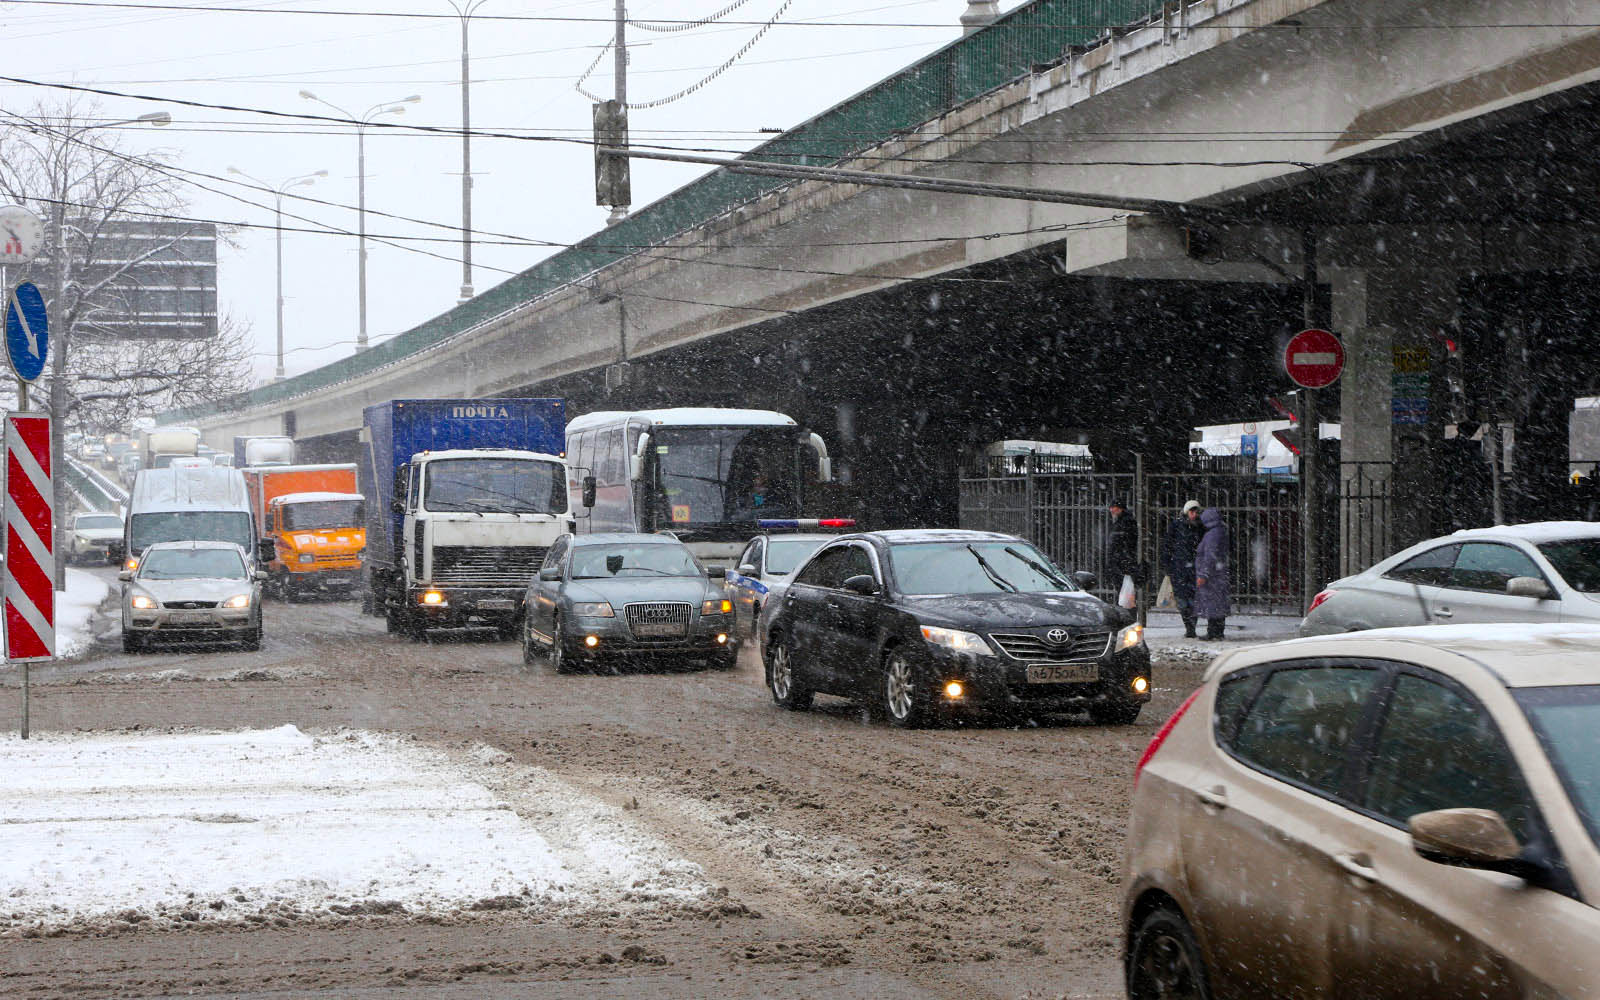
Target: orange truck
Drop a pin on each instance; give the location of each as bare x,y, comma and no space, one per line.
312,522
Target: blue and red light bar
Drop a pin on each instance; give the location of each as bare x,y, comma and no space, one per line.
808,522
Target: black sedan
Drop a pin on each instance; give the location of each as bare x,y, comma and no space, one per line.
608,596
923,622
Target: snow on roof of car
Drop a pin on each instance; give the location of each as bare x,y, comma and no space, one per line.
434,456
624,538
686,416
1537,531
193,543
1520,654
315,497
912,535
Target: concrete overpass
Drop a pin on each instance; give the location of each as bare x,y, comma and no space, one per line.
1433,156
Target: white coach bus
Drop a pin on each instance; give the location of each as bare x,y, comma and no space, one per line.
705,475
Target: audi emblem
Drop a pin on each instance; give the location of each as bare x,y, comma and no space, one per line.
657,614
1056,635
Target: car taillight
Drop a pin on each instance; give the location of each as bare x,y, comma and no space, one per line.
1161,735
1316,601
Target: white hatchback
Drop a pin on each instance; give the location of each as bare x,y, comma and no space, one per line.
1544,572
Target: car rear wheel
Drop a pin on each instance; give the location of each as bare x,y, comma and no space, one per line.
787,689
1164,960
905,699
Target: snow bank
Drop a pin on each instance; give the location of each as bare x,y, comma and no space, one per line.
226,825
74,608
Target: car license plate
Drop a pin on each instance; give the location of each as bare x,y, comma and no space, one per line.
657,630
188,617
498,604
1063,673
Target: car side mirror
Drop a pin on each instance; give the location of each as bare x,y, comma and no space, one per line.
1528,586
1085,579
589,491
261,576
747,568
550,573
125,576
1468,838
863,584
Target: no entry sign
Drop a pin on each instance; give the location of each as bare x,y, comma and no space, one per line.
30,530
1314,358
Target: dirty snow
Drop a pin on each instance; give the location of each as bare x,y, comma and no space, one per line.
226,825
74,608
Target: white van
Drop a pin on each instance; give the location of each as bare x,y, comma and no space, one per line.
184,504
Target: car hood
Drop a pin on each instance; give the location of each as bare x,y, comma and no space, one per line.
167,591
967,611
98,534
635,589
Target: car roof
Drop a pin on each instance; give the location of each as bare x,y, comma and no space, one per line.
191,544
623,538
906,536
798,536
1535,532
1519,654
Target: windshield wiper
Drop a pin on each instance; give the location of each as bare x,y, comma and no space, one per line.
991,572
1040,568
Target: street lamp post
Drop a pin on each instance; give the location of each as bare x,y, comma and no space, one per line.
465,9
362,121
277,213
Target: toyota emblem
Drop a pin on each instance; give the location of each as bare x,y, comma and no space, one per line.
1056,635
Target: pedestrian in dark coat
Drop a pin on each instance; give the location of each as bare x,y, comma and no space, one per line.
1211,596
1177,561
1122,547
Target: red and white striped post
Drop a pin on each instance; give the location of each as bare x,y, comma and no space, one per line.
30,595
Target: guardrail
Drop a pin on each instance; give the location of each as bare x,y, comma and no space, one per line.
92,489
1037,33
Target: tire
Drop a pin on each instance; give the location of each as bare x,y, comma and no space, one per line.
252,642
1115,713
1164,960
783,679
560,659
530,649
905,695
132,643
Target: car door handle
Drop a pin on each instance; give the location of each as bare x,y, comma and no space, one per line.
1444,612
1358,864
1216,796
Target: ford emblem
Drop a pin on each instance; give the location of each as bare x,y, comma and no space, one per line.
1056,635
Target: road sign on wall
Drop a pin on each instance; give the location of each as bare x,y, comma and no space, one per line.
1314,358
27,331
30,570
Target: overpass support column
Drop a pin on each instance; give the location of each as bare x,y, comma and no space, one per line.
1388,320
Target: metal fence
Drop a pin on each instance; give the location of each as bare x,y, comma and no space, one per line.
1063,512
1364,531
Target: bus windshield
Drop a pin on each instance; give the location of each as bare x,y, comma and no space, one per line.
496,485
190,526
721,475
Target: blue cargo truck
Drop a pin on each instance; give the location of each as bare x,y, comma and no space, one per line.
463,498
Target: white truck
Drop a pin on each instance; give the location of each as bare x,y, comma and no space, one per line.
160,445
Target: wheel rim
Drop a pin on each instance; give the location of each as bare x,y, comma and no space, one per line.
897,686
1166,970
782,673
557,655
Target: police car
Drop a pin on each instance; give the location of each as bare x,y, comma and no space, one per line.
767,563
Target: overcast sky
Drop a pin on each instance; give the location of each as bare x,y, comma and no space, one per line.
523,72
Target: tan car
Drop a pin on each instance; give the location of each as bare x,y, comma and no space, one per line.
1400,813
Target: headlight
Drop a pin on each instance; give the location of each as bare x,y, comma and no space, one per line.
954,639
237,601
1130,637
716,607
593,609
306,557
142,602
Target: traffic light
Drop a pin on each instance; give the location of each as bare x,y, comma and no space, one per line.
612,183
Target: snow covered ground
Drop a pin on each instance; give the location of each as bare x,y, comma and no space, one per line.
235,826
74,609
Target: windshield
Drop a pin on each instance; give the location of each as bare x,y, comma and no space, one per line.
718,475
975,568
99,521
1567,720
784,556
1578,562
496,485
311,515
190,526
596,562
192,564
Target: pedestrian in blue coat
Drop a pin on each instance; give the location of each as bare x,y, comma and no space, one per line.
1211,596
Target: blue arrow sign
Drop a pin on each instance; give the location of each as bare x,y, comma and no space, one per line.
27,332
